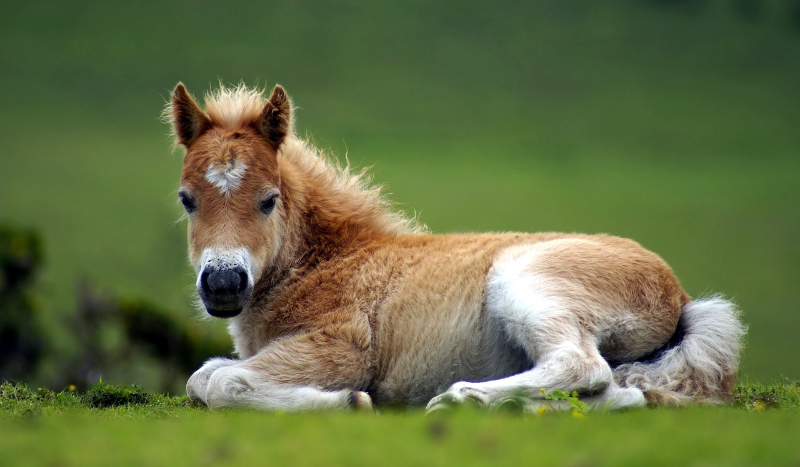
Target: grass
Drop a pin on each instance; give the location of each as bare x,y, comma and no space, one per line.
128,426
17,401
756,396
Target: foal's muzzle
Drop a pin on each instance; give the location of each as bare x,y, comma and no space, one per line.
224,290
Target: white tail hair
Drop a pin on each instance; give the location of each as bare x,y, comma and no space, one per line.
702,366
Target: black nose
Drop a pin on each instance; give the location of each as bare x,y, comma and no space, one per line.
224,290
224,282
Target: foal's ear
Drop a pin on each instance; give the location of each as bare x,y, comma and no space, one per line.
275,121
188,121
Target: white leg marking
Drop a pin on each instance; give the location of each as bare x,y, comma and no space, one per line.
236,386
196,386
615,397
568,368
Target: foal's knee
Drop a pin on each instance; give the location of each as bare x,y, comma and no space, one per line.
196,386
227,385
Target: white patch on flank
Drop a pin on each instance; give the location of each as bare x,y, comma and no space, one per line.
226,178
525,302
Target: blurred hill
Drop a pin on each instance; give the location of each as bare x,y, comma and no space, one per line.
675,123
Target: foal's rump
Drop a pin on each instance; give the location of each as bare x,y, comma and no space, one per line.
633,308
599,290
603,316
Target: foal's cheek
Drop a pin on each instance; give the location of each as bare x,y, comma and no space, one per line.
270,244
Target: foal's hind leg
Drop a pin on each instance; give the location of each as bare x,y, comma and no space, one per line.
547,317
566,366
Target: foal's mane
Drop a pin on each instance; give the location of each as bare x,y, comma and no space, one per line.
351,192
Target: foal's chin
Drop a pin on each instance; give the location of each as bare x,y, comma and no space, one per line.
226,308
217,313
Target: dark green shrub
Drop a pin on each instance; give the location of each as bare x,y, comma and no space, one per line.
21,339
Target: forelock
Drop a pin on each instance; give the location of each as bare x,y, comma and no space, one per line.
233,108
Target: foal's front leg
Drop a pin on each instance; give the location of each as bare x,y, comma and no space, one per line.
309,372
198,382
240,387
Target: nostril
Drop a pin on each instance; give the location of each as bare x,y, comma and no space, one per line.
242,282
204,281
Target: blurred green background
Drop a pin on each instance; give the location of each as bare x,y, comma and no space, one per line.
675,123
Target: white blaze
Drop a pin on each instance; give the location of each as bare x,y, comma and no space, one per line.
228,177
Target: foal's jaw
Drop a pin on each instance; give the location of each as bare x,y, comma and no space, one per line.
225,280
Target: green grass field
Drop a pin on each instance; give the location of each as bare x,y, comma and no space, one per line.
125,426
716,437
673,123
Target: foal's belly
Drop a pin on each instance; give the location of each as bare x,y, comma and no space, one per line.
419,374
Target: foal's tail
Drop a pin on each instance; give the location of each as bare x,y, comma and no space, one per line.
701,366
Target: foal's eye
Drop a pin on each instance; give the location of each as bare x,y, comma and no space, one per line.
268,203
188,202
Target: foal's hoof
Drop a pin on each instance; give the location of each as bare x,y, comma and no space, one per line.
443,402
458,394
440,403
361,401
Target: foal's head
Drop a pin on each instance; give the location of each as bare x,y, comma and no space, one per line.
231,189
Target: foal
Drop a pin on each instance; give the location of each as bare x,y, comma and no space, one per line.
334,301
